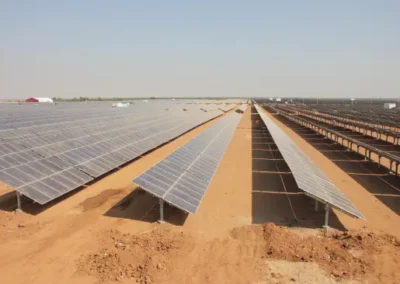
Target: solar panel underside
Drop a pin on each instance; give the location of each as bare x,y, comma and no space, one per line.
183,177
308,177
46,161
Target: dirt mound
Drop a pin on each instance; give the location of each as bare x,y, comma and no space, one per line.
341,254
363,240
163,255
136,257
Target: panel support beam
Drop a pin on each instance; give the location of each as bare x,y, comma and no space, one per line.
161,201
19,207
327,209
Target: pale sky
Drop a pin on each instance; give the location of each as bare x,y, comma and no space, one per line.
340,48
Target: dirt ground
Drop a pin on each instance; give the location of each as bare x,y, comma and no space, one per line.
107,232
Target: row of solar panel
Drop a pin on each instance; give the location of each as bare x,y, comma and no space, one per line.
27,153
57,127
33,138
47,138
21,114
51,118
10,129
183,177
48,178
48,144
307,175
62,139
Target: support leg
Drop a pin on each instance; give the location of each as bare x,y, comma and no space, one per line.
19,209
326,225
161,201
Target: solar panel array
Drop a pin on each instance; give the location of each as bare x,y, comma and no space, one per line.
183,177
307,175
47,151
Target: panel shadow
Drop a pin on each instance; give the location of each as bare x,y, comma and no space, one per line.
8,202
142,206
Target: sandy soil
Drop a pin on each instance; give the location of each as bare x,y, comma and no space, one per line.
107,232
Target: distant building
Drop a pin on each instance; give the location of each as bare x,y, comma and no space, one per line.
389,105
39,100
121,104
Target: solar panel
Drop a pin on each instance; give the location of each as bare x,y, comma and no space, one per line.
52,187
45,154
308,176
182,178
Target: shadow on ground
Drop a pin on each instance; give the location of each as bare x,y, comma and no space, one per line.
8,202
275,195
377,179
142,206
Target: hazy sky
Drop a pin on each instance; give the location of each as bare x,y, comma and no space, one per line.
199,48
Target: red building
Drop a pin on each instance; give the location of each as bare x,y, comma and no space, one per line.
39,100
32,100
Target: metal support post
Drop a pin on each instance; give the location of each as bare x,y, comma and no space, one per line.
161,201
326,216
316,205
18,201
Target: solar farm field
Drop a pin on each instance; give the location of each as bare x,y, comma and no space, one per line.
199,191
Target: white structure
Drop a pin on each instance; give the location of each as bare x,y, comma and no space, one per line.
121,104
39,100
45,100
389,105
